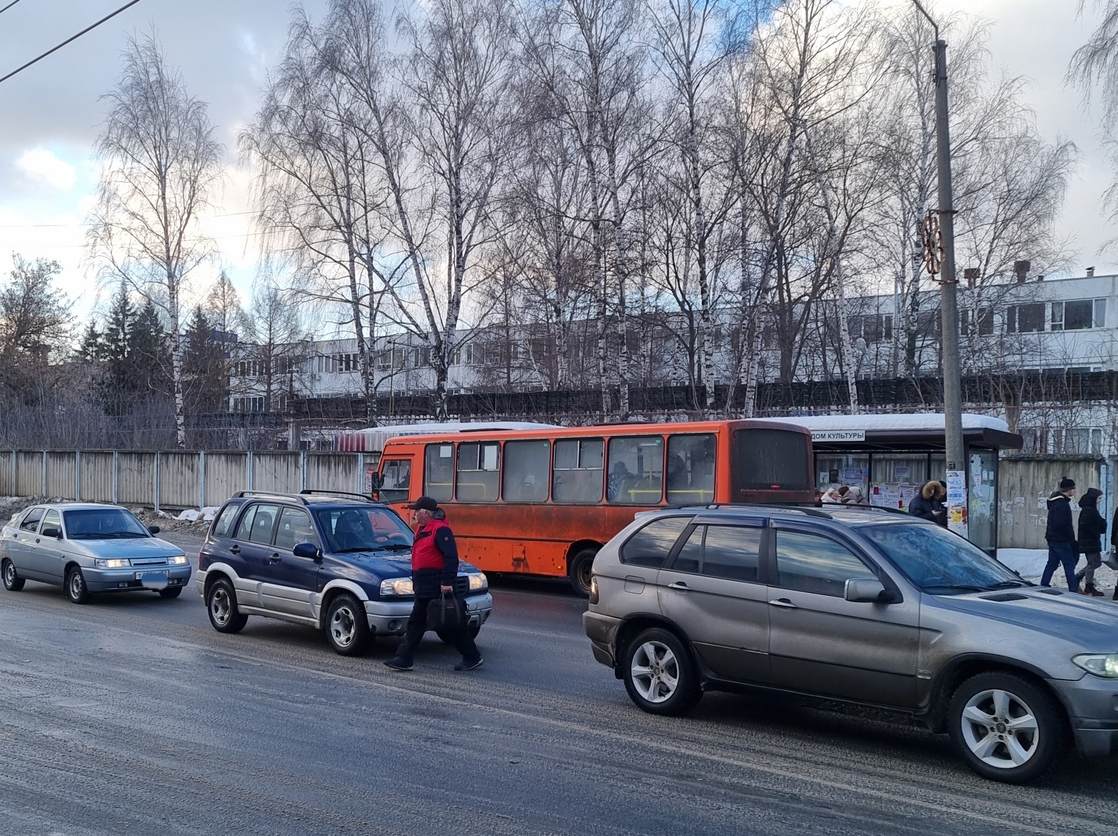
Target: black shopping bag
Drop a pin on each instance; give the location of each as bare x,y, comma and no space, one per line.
444,613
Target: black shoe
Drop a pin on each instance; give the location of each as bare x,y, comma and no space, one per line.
398,665
465,667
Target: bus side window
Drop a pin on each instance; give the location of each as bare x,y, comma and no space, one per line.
438,476
577,475
477,471
397,478
525,474
690,469
636,470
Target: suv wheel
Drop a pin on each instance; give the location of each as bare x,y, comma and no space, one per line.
12,581
76,590
347,627
579,571
1005,727
660,674
221,606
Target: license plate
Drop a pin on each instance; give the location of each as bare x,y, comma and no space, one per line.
154,580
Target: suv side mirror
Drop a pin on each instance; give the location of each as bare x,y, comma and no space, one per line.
153,529
866,591
308,550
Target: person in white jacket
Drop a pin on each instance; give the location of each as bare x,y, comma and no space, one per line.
836,494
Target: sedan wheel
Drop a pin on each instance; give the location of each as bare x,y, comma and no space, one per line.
1006,727
76,589
12,581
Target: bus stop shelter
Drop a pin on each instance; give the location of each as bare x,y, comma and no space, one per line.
890,457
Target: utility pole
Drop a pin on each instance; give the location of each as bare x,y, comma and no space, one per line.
949,306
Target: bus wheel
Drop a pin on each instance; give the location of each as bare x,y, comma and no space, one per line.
578,570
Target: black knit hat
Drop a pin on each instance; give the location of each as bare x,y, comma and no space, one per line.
1067,484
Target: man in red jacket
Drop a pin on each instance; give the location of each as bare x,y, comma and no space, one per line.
434,567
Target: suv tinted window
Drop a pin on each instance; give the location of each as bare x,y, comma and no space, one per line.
721,551
810,563
294,528
31,521
263,524
651,544
223,525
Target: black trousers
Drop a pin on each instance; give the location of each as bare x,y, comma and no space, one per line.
417,627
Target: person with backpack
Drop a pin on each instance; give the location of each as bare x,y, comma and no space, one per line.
434,568
1092,527
1060,534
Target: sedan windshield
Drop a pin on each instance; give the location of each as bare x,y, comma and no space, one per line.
364,530
103,524
939,562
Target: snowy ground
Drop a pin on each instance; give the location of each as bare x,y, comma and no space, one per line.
1029,563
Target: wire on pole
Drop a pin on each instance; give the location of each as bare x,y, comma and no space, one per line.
8,6
71,39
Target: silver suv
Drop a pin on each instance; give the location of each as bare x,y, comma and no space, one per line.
863,606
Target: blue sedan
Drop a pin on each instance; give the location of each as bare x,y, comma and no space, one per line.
87,548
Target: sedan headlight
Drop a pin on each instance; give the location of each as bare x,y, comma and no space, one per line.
112,563
478,582
1100,664
178,560
396,587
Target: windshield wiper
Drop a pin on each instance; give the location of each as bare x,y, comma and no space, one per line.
1009,585
955,587
395,547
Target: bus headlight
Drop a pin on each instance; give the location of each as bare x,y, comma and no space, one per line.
396,588
478,582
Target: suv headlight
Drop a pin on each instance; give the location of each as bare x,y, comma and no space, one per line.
478,581
1100,664
396,587
112,563
178,560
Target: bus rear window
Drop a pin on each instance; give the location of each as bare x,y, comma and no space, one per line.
764,459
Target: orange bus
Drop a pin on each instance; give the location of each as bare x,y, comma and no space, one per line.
544,501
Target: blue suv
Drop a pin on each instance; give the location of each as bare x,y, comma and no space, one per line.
336,562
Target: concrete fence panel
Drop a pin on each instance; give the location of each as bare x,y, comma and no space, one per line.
1024,485
276,472
178,480
29,473
332,471
7,473
225,475
62,474
136,478
97,476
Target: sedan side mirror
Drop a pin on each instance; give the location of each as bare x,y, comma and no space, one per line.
307,550
56,533
153,529
866,591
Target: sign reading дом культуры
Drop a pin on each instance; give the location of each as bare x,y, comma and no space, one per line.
838,435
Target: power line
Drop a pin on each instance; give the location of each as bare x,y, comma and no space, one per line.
8,6
71,39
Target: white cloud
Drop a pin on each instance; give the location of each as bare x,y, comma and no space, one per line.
43,166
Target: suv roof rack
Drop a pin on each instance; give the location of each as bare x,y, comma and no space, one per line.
272,494
322,491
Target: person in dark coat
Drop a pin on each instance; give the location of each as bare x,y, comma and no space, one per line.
1060,534
1092,527
928,504
434,567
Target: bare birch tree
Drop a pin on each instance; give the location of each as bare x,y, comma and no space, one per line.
160,160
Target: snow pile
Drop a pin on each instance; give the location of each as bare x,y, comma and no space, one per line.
195,515
1029,564
931,421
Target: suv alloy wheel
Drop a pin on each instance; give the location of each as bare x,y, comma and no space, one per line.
1005,727
221,606
347,628
660,674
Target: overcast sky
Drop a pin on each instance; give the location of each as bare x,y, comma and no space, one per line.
50,115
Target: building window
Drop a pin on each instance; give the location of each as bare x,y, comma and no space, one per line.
873,328
1024,319
1078,315
980,322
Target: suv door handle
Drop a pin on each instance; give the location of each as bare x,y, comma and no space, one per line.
783,602
680,585
234,549
275,558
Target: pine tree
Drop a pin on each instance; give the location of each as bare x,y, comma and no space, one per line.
203,362
92,347
149,355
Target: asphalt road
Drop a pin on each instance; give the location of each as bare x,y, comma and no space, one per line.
132,715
